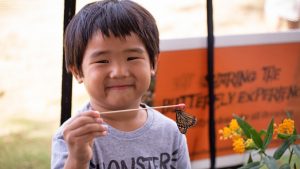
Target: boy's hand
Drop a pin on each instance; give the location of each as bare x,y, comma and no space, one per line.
79,135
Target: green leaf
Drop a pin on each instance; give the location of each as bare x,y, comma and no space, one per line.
285,166
251,165
250,160
295,131
256,138
269,135
288,114
263,132
283,136
250,132
296,149
280,151
244,126
270,162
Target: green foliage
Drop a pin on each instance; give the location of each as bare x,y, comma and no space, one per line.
284,146
256,138
250,160
269,134
262,139
244,126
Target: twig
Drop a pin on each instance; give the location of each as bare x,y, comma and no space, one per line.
158,107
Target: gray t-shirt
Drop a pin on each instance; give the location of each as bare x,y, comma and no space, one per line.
158,144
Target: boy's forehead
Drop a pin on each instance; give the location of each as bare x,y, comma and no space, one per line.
113,36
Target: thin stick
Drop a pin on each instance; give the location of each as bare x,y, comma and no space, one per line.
128,110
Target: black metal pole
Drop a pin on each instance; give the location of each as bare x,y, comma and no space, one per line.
210,75
66,93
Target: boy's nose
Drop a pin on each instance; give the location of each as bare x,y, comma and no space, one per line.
119,70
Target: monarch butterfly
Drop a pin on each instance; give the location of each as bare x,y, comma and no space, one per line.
184,120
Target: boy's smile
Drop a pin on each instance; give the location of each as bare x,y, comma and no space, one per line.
119,87
116,71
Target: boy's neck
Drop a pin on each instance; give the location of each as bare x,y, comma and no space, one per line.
126,121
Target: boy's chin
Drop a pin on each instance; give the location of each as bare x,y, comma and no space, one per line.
121,104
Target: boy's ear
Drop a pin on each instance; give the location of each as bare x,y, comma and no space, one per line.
153,71
154,68
75,73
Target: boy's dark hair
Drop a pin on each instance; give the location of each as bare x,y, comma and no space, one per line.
117,17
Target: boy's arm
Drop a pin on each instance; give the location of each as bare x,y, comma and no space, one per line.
72,147
60,156
59,152
72,164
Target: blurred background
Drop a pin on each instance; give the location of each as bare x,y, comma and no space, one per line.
31,61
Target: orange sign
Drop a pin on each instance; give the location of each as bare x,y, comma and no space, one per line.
255,81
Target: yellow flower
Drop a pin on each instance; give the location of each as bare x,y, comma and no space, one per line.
226,133
249,144
238,145
235,136
233,125
286,127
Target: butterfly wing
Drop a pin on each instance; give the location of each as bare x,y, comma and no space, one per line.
184,120
182,129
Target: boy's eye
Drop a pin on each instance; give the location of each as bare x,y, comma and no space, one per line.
103,61
132,58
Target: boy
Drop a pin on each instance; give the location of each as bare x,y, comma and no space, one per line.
111,47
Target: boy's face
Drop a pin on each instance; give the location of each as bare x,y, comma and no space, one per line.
116,72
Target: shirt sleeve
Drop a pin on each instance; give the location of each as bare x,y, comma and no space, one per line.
59,152
183,155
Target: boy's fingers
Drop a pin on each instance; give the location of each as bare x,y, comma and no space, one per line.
90,114
87,132
88,128
86,123
88,137
81,121
84,118
93,114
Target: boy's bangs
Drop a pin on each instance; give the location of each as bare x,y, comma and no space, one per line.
117,22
